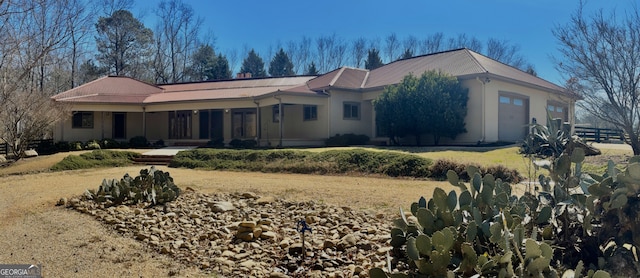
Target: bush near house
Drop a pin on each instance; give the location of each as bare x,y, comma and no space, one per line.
94,159
346,140
329,162
138,142
442,166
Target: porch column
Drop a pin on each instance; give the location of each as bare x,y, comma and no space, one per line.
258,122
281,115
144,121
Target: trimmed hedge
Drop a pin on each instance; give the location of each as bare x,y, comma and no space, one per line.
95,159
441,166
286,161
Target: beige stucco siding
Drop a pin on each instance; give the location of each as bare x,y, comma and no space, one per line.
340,125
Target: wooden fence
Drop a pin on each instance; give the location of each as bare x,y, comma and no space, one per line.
593,134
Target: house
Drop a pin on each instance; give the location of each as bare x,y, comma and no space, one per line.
305,110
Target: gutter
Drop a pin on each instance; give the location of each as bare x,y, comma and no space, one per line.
483,106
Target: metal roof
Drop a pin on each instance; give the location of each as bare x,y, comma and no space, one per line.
462,63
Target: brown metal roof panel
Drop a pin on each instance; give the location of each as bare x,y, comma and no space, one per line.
110,85
219,94
324,80
456,63
237,83
350,78
133,99
510,72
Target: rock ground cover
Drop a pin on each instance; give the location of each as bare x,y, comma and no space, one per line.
244,234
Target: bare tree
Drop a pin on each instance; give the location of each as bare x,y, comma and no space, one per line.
30,32
505,52
462,40
331,52
391,47
176,38
81,29
233,58
601,55
410,45
358,51
433,43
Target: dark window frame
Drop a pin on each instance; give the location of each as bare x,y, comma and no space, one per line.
349,109
82,120
309,112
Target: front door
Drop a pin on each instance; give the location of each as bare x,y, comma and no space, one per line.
244,123
119,125
180,124
211,124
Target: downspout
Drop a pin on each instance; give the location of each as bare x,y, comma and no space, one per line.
483,109
102,125
144,121
259,124
329,114
280,115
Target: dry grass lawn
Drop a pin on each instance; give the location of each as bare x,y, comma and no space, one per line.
69,244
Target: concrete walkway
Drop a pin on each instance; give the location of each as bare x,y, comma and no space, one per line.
169,151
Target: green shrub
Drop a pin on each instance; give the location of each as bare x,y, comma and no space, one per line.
159,143
109,144
288,161
249,143
235,143
151,186
46,147
97,158
63,146
92,145
138,142
440,168
215,143
76,146
345,140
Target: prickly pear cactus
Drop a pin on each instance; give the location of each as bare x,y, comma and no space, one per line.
152,186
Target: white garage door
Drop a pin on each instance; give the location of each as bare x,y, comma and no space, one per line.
513,116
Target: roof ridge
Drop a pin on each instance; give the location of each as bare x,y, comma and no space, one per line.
473,58
365,79
335,79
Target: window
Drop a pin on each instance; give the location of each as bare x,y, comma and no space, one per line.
559,109
244,123
276,113
504,99
551,108
82,120
310,112
351,111
518,102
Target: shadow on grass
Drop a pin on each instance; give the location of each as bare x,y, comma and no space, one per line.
466,148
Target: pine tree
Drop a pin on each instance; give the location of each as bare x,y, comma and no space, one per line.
253,64
311,69
281,65
222,70
373,60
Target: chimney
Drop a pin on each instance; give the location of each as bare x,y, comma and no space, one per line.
244,75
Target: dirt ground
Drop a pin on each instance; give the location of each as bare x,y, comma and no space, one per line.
70,244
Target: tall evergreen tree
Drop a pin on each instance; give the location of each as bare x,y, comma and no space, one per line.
311,69
281,65
124,44
222,70
373,60
253,64
203,64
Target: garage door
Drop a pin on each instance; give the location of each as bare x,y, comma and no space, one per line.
513,115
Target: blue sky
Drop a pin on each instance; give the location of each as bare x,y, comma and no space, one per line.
259,23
